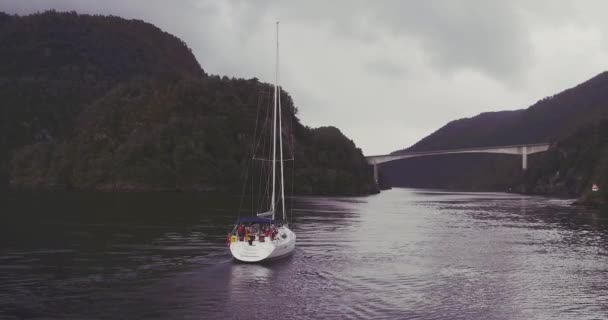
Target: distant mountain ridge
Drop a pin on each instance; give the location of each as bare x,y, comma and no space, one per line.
549,119
574,121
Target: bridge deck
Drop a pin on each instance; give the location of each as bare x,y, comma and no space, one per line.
521,149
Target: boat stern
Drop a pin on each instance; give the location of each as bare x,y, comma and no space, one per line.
256,252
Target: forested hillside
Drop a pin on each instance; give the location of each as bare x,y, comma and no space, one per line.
573,165
470,172
104,103
549,119
570,120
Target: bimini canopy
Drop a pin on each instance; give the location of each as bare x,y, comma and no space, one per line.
254,220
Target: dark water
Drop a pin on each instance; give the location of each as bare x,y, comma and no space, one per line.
398,255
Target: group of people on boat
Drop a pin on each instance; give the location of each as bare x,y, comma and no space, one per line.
254,231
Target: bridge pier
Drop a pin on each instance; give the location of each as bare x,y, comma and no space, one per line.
375,172
524,158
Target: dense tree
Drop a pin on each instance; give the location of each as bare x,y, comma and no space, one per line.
476,172
103,103
573,165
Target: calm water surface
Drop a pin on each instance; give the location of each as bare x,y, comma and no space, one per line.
402,254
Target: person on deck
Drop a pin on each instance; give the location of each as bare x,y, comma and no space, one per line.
240,231
250,237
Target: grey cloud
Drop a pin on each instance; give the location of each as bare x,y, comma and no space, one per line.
385,72
386,68
481,35
486,36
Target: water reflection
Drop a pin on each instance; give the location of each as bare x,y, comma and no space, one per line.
244,276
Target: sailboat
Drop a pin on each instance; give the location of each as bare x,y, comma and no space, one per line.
263,236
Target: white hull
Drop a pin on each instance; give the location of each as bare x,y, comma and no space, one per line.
283,245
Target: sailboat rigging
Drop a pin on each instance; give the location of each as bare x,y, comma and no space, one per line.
264,237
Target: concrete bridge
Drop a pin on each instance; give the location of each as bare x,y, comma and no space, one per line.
522,149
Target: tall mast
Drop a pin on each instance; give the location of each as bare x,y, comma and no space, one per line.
280,130
274,128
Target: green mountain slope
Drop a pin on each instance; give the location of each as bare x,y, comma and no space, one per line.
104,103
573,165
549,119
570,120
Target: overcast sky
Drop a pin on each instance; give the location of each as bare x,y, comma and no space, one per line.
387,73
